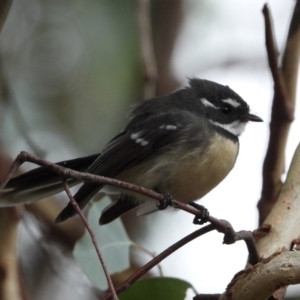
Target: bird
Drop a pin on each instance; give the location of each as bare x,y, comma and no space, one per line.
183,143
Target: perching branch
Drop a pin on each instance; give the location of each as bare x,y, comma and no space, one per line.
221,225
69,173
230,236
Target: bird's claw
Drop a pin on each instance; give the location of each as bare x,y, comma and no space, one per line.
167,201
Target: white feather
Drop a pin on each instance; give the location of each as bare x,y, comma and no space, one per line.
236,127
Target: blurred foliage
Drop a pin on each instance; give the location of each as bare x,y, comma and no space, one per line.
158,289
72,68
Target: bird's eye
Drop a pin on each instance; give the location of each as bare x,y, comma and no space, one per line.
226,109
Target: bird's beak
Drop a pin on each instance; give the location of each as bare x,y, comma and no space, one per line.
253,118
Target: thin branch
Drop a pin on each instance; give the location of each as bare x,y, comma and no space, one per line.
126,284
168,19
69,173
281,94
230,236
147,49
291,55
94,240
282,116
221,225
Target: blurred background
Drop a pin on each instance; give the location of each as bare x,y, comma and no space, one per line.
71,69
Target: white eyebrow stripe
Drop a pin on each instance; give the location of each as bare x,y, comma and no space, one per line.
206,103
232,102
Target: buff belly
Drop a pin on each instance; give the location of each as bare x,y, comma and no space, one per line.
187,176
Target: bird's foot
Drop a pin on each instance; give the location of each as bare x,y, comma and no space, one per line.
167,201
204,214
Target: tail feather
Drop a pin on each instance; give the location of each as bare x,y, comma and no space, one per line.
41,182
43,176
82,197
13,197
117,208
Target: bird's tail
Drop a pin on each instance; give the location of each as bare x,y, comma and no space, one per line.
82,197
41,182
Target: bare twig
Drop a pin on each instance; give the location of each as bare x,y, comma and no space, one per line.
147,50
221,225
125,285
230,237
94,240
282,116
291,55
168,19
68,173
282,99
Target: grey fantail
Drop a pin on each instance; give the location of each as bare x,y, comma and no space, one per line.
184,143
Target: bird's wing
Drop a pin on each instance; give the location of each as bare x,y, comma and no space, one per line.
142,137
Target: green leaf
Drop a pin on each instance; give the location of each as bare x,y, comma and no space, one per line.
161,288
113,242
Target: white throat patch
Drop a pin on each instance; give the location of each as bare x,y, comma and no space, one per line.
236,127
